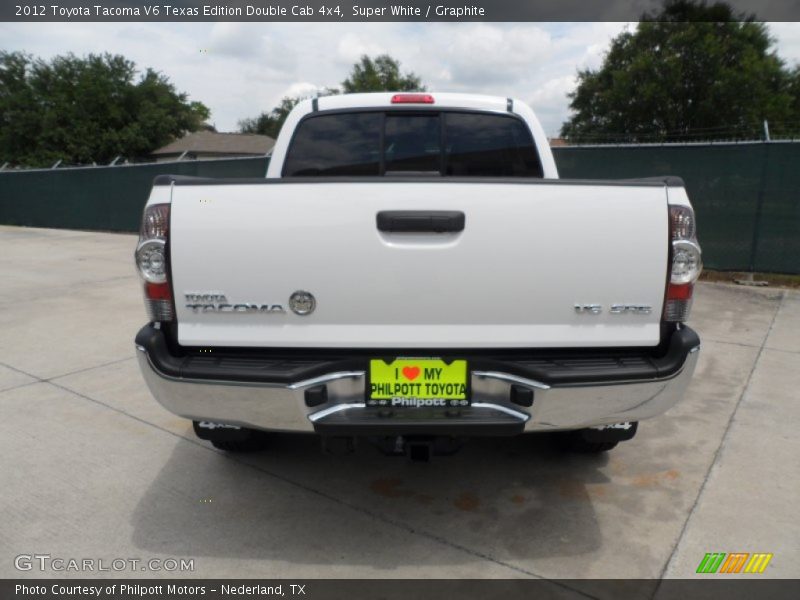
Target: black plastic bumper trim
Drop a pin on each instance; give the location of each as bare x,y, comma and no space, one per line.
554,367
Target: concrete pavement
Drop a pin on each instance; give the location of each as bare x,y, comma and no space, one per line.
93,467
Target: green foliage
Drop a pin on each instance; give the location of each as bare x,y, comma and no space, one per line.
794,91
89,109
692,71
381,74
269,123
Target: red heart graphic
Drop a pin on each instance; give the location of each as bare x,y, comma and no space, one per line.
411,373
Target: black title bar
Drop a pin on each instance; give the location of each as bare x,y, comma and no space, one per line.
362,10
398,589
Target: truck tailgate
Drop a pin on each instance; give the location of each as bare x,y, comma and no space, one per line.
528,253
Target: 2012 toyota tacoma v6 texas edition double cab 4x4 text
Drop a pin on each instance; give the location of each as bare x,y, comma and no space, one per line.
412,270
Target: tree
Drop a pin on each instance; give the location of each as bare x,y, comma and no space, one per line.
794,89
381,74
269,123
84,110
693,71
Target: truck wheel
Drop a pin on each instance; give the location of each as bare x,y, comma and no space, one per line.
250,445
231,438
578,444
594,440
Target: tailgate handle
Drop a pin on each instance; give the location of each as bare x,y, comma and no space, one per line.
421,221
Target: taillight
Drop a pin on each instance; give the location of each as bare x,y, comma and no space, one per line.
155,222
151,260
681,223
412,99
687,263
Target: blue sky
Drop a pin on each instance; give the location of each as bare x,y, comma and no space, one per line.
241,69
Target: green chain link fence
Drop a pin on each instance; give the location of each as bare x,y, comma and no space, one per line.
100,198
746,195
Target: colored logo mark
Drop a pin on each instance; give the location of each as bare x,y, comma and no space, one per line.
734,562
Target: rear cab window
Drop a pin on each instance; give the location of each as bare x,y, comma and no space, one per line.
403,142
343,144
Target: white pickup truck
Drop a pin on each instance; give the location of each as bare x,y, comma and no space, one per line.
412,270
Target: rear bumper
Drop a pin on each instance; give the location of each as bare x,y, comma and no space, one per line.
272,391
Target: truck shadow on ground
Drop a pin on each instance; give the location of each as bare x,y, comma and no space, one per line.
510,499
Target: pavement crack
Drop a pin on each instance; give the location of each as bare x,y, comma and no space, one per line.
728,343
106,364
7,366
783,350
329,497
20,385
49,379
720,448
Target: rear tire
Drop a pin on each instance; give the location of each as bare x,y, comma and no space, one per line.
231,438
595,440
575,443
254,444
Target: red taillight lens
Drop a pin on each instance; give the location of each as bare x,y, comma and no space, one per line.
680,292
686,263
157,291
412,99
158,301
152,262
678,303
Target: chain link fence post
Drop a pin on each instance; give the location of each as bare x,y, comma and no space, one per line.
749,278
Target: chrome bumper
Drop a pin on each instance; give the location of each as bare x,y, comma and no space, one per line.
278,407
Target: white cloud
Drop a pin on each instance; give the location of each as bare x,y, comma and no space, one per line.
352,46
234,39
481,54
242,69
553,90
301,90
787,36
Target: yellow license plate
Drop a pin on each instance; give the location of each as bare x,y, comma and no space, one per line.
416,382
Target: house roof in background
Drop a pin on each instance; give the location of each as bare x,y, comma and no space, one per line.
212,142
